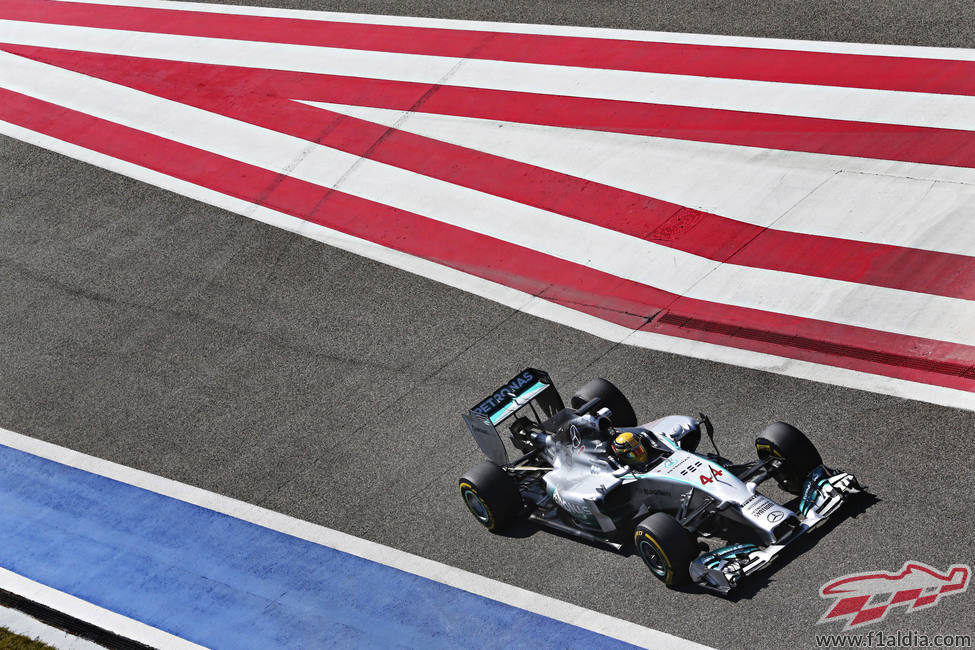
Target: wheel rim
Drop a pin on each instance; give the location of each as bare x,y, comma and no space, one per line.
653,559
477,507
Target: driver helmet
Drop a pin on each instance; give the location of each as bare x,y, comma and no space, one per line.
629,448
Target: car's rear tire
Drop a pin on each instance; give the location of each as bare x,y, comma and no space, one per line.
491,495
611,397
666,547
799,456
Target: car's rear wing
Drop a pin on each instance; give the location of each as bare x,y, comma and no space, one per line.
530,387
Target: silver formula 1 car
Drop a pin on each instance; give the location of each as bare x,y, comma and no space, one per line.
571,478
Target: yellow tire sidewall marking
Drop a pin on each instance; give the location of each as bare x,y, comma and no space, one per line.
490,524
648,537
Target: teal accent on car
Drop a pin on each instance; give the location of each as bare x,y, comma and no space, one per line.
534,390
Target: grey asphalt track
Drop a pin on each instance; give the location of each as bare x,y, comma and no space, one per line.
158,332
945,23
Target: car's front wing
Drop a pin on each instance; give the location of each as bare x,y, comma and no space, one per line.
823,493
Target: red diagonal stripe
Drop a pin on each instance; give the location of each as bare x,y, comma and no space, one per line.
905,595
621,301
807,339
831,69
232,92
869,614
806,134
926,600
845,606
617,300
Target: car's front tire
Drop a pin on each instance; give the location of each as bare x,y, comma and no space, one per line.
491,495
666,547
799,456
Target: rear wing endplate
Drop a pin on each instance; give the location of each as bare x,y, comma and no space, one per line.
530,385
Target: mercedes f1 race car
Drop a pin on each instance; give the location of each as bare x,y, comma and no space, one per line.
591,472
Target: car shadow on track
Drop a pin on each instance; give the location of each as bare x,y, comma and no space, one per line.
526,528
520,530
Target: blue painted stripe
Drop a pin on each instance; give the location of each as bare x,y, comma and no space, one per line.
226,583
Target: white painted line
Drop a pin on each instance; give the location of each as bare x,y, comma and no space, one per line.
624,256
507,296
451,576
881,201
807,100
77,608
959,54
20,623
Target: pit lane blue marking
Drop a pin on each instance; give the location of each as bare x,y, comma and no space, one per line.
226,583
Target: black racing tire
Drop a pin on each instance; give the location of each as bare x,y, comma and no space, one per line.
491,495
666,547
799,455
611,397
